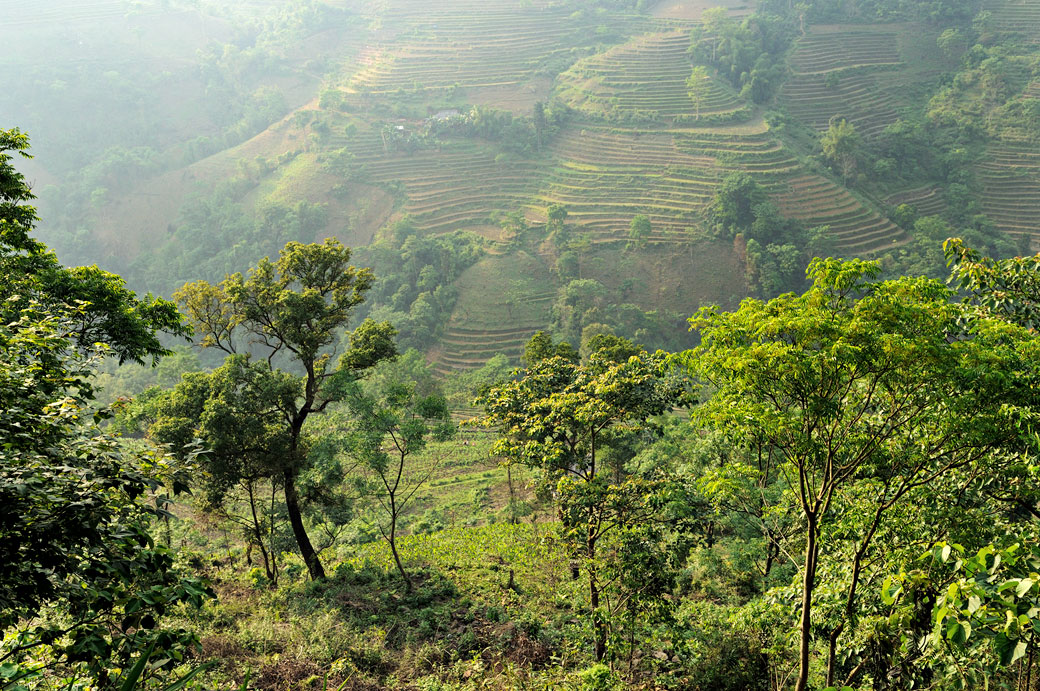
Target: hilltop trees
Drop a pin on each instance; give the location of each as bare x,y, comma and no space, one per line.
291,310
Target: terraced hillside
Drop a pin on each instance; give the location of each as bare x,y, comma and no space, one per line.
926,201
503,301
1010,180
456,187
628,143
643,79
471,43
606,176
857,229
1019,17
834,74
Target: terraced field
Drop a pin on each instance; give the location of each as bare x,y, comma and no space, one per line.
1011,189
927,201
857,229
606,176
45,13
645,78
473,43
833,77
458,187
1016,17
503,301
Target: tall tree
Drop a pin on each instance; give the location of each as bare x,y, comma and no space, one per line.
698,86
294,308
560,416
394,423
840,144
863,382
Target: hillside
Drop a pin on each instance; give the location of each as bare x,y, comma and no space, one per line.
480,116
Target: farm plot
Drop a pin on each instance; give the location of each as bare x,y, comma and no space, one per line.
473,43
927,201
453,188
834,76
606,176
1011,189
1016,17
643,79
503,301
857,230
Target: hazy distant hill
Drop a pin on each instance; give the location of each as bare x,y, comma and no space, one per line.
180,138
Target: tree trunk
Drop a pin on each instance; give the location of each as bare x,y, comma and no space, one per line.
292,506
832,652
258,537
598,625
393,545
808,582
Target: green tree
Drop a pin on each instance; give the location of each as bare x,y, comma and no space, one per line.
715,21
95,303
237,412
294,308
541,347
83,585
561,416
393,424
732,209
862,382
639,231
1008,289
840,146
698,86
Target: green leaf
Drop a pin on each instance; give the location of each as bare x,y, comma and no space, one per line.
1020,650
1004,648
180,683
890,590
135,672
1023,587
955,632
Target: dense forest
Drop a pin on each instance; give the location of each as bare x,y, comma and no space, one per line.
540,344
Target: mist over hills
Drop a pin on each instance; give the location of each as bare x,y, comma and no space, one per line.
178,140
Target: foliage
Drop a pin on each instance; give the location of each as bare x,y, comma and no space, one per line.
394,423
415,290
293,308
102,308
560,416
749,52
775,249
840,143
984,613
843,377
83,583
1006,288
